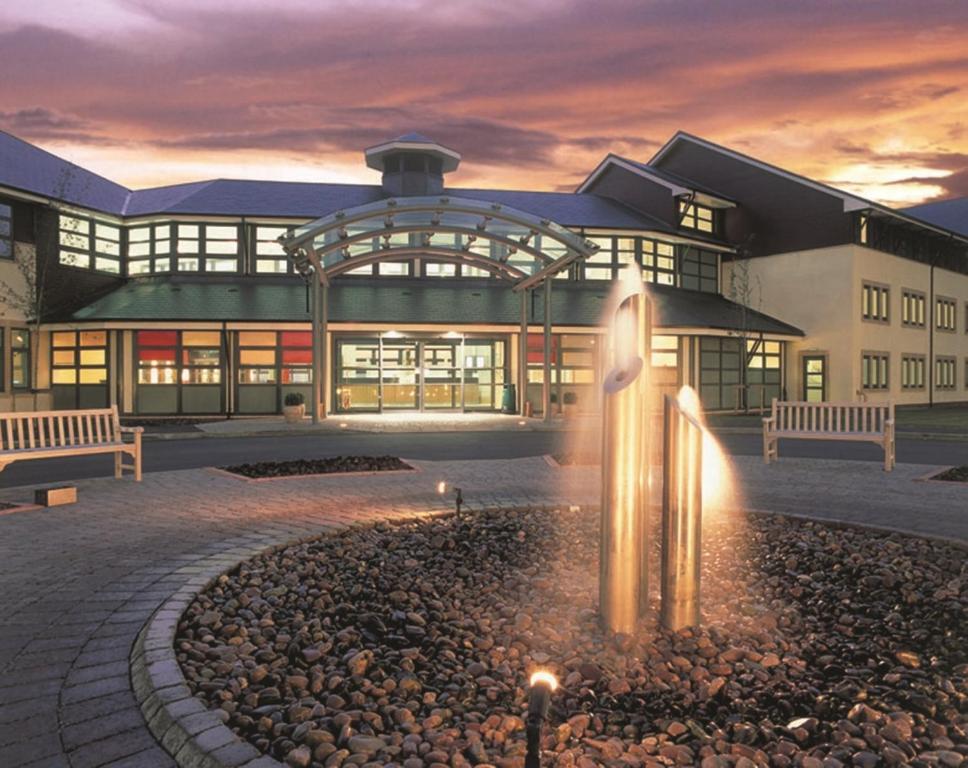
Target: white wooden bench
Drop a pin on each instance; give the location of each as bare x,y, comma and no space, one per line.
867,422
51,434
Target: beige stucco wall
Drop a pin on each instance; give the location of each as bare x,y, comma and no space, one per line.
820,291
812,291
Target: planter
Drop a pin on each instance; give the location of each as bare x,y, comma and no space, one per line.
293,414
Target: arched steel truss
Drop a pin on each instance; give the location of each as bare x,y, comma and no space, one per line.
441,228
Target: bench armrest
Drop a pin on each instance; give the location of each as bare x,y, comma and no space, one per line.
768,421
133,430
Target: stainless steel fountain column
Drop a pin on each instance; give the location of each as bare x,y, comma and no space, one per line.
623,571
681,517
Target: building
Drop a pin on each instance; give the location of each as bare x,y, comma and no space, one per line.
192,299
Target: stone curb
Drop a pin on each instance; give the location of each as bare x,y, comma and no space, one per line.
192,734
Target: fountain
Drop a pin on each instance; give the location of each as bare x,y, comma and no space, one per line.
626,481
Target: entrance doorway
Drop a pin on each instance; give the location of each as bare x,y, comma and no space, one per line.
412,374
814,378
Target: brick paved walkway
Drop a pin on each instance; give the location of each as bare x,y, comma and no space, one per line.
77,583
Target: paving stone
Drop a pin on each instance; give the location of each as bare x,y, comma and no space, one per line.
115,747
79,583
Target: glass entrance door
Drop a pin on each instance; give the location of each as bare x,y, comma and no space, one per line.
441,375
396,374
815,378
400,377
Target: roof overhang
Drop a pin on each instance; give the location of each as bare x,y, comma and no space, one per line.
375,155
675,189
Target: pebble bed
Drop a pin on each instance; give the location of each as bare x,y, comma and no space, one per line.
955,475
411,645
327,466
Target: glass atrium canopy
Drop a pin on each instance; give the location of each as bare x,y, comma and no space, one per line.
519,247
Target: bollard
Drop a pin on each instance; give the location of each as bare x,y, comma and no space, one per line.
623,565
681,518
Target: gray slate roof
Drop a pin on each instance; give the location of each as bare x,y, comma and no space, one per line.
31,169
388,300
947,214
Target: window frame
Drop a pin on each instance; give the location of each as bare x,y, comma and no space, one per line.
6,237
944,364
940,317
92,251
919,300
871,291
26,352
882,384
690,216
912,362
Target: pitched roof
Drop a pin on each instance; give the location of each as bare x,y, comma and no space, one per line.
226,197
240,197
32,169
950,214
388,300
677,185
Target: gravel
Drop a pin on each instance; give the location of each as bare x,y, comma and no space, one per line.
325,466
411,645
955,474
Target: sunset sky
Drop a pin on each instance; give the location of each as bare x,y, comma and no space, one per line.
869,96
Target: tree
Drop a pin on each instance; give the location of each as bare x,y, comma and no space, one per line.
745,291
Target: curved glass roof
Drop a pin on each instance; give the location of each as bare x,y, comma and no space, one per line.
517,246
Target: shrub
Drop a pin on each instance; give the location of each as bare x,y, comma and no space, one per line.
294,398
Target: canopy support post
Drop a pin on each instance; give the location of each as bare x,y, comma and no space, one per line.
523,355
546,378
319,303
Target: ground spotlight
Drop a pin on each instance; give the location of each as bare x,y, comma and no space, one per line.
458,495
542,685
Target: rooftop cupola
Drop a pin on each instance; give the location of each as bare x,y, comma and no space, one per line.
412,164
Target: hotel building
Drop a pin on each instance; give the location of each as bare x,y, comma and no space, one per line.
221,296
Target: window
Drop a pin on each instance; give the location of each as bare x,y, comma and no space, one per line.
20,358
912,308
270,257
719,372
944,372
89,244
944,314
699,270
149,249
665,351
258,362
172,357
695,216
439,269
875,302
763,371
874,370
658,262
6,231
912,371
207,247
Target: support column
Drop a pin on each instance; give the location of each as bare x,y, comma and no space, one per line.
318,301
324,351
523,354
546,383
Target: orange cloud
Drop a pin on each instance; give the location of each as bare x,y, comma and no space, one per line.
532,93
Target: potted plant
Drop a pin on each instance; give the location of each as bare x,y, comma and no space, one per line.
294,407
570,402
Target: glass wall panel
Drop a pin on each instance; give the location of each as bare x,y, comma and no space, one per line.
179,371
79,369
